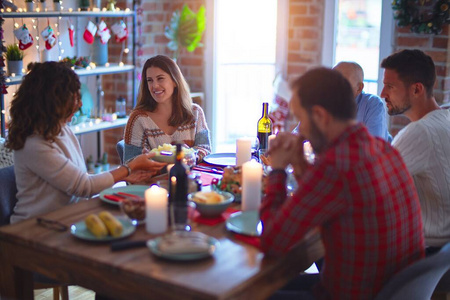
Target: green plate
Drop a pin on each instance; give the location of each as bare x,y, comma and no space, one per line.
153,246
80,231
138,190
245,222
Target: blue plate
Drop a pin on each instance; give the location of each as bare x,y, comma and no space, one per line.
153,246
80,231
138,190
245,222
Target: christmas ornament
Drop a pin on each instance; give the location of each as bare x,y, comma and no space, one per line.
24,37
49,37
103,32
71,32
89,33
120,30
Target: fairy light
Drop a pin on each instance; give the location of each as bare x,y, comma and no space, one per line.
104,9
107,64
20,10
127,9
16,25
126,50
121,64
8,9
2,10
38,9
70,9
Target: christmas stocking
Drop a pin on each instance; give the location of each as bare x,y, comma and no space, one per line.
49,37
89,33
71,32
103,32
120,30
24,37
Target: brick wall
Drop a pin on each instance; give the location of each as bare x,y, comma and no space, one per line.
305,35
156,16
437,47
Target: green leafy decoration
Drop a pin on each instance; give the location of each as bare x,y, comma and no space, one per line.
406,12
186,29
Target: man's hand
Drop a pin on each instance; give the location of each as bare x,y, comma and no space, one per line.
285,149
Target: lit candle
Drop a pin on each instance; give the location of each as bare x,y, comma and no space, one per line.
156,210
243,150
271,138
251,185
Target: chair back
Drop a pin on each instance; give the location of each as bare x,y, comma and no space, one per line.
418,280
8,193
120,149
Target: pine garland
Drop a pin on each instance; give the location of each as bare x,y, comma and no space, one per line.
406,12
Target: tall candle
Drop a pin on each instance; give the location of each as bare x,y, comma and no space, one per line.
156,210
251,185
271,138
243,150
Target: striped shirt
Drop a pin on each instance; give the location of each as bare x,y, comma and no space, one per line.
141,132
361,196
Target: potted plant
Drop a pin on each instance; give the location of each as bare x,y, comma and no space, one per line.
14,59
57,5
29,5
84,5
186,29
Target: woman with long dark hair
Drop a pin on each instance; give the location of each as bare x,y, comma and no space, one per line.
164,112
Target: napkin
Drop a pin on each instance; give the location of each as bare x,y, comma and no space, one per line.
252,240
214,221
206,178
184,242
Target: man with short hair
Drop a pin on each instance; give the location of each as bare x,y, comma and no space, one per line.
424,144
370,108
358,192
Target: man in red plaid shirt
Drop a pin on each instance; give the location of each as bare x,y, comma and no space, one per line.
358,192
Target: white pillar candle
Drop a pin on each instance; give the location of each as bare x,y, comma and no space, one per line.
45,55
156,210
271,138
251,185
243,150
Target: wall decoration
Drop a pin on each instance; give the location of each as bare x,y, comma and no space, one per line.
424,16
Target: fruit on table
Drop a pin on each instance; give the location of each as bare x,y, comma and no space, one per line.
95,225
113,225
208,197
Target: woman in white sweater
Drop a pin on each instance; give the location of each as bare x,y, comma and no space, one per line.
164,112
49,165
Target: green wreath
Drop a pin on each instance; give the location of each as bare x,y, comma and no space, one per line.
406,12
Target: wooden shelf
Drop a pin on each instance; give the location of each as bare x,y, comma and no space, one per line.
93,126
98,70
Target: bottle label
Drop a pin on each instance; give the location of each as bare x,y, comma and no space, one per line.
263,140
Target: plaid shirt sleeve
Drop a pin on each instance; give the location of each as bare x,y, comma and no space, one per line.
316,200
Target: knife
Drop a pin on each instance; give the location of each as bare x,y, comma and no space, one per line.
123,245
208,170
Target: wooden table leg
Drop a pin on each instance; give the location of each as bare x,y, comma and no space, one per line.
15,283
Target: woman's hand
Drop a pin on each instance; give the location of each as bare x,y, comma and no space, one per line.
144,162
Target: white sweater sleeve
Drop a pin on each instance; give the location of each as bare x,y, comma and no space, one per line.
413,142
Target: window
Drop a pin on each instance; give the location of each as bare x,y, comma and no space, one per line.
245,63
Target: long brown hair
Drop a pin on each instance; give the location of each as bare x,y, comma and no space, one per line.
44,100
181,99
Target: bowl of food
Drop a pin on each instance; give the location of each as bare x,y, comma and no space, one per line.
211,204
166,154
134,209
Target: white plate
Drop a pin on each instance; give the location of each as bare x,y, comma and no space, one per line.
138,190
80,231
245,222
153,246
221,159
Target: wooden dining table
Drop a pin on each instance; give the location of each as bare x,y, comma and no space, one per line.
236,270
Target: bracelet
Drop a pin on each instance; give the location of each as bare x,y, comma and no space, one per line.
127,167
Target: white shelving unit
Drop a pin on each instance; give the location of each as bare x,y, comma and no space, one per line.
95,125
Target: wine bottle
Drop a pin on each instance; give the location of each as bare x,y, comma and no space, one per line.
264,127
178,188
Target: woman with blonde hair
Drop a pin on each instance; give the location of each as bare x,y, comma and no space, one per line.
164,113
48,162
